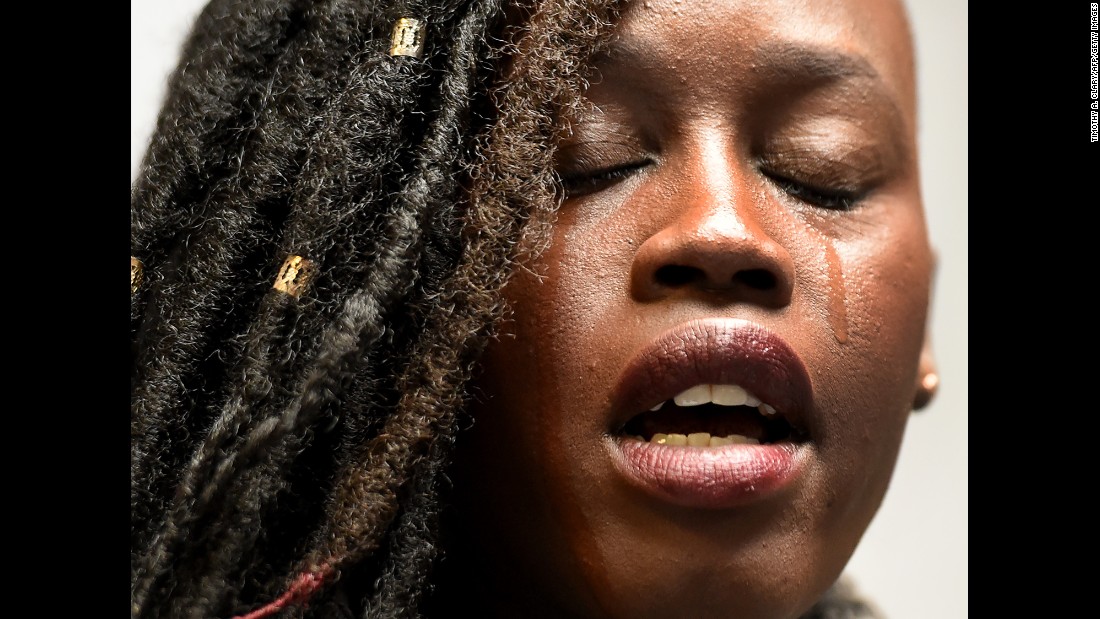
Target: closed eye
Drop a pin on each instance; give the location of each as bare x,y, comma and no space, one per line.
584,182
827,198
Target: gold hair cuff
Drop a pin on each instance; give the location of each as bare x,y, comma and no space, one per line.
408,38
136,275
294,275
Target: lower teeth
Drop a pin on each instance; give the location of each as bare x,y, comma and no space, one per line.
700,439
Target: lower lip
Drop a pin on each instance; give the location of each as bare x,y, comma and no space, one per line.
709,477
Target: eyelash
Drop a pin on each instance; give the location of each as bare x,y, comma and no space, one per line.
583,183
831,199
578,184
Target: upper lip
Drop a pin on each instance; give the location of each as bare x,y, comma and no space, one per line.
715,351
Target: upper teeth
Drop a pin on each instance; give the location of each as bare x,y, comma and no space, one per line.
722,395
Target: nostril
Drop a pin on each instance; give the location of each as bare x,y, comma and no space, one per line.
675,275
758,279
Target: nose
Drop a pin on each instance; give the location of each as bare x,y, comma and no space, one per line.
714,242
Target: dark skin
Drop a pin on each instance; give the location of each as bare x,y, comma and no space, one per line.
750,164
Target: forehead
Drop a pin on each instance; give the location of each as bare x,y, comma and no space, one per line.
739,44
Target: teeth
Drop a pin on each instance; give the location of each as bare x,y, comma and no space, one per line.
700,439
699,394
728,395
676,439
743,440
722,395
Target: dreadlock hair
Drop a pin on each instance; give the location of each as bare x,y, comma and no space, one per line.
277,442
288,452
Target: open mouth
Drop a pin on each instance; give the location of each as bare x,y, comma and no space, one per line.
710,415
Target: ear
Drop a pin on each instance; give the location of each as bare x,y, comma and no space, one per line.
928,380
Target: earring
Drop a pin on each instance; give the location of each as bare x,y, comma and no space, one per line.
926,390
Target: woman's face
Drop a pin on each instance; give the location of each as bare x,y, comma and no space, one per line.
742,265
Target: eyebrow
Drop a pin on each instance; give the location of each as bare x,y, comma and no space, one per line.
787,61
814,66
816,62
809,66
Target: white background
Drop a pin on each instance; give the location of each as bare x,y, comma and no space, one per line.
913,560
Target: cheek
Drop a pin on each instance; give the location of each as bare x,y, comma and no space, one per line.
521,466
868,381
575,318
888,280
506,472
